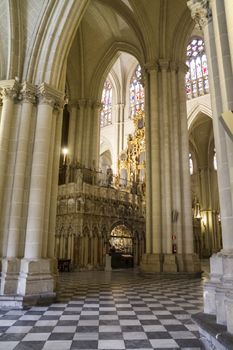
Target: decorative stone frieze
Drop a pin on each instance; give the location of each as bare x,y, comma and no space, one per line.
200,12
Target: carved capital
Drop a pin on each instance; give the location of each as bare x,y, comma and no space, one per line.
89,103
48,95
97,105
173,66
151,66
73,104
182,67
27,93
9,89
163,64
200,12
82,103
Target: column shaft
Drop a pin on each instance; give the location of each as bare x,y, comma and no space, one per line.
165,160
184,143
37,196
8,91
54,189
15,237
96,136
87,141
80,132
72,131
175,134
46,239
221,138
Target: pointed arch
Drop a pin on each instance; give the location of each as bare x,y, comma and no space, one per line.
195,112
107,62
53,41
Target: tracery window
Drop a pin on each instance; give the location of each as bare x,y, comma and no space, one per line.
106,112
196,79
136,91
190,164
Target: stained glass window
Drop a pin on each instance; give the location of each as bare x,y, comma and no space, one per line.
190,164
106,112
196,79
136,91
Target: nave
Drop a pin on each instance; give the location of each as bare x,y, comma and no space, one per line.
109,310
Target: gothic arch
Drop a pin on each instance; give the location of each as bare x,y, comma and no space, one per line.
107,62
52,44
195,113
181,36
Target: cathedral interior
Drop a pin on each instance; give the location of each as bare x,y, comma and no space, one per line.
116,174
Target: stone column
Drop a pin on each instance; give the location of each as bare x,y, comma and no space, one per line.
61,246
229,22
191,261
69,246
54,183
151,261
15,233
36,274
8,93
81,251
72,249
86,137
96,135
95,251
216,23
46,240
85,250
78,152
72,129
165,158
169,263
176,181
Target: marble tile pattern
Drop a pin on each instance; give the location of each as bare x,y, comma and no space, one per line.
109,310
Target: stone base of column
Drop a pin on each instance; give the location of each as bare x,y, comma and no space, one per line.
10,276
108,262
191,263
28,282
212,335
169,263
229,312
218,289
151,263
218,296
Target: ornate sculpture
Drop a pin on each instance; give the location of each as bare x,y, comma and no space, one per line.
131,165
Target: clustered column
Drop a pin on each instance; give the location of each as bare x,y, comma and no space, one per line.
168,214
216,23
28,266
8,94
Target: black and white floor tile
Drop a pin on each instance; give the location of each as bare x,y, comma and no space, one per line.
109,310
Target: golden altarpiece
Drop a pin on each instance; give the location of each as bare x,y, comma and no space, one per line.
132,161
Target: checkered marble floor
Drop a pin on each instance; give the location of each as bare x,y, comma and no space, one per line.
109,310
